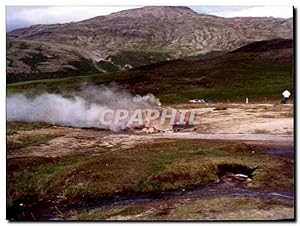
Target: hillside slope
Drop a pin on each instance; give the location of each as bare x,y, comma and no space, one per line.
233,76
128,39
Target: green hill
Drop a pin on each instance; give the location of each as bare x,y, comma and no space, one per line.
260,71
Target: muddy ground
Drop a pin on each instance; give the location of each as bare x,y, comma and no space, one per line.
57,172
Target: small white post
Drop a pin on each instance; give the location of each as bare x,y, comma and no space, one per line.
247,101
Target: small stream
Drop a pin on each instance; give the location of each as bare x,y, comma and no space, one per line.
284,151
221,189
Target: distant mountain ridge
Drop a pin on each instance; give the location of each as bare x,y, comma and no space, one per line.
130,38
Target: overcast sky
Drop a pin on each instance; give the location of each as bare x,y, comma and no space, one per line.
23,16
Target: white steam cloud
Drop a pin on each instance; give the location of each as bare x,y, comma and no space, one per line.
79,110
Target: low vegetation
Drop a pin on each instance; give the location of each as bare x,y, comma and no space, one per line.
76,179
14,127
30,141
230,77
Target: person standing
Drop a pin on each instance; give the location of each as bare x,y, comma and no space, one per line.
285,94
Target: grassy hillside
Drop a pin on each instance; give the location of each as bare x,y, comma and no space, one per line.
232,76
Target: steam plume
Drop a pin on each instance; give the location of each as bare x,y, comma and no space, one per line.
82,109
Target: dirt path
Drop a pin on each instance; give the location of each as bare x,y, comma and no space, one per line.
90,141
